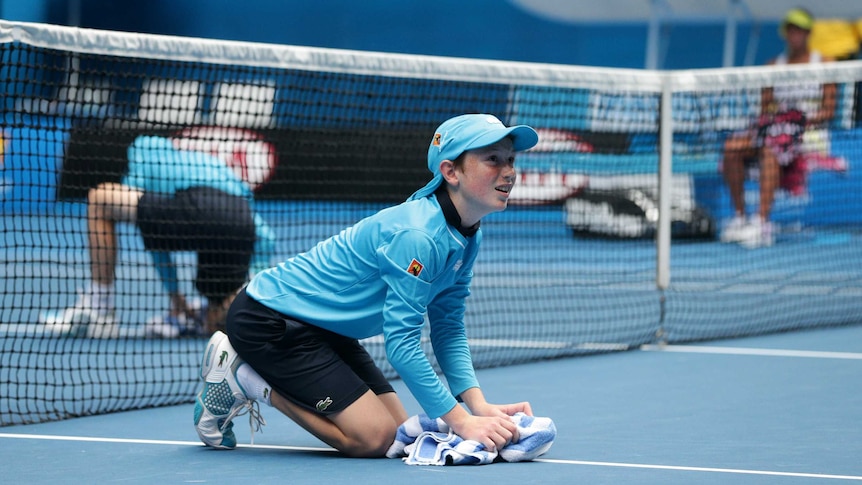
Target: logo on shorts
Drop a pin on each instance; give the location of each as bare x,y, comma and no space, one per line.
415,268
323,404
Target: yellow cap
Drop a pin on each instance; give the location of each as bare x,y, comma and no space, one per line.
799,17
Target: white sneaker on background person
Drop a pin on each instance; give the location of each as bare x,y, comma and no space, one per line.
175,326
737,230
750,233
90,316
760,235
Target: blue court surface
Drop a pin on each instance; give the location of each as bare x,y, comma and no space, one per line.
781,408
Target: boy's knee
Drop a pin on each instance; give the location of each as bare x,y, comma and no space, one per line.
374,441
372,446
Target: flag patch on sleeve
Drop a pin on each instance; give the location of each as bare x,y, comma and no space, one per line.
415,268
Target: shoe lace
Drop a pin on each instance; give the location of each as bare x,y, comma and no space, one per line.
255,418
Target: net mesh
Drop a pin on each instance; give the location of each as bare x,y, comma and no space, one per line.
323,138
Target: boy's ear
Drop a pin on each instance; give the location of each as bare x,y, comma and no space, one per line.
447,169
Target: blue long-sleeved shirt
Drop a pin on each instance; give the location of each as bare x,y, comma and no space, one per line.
382,276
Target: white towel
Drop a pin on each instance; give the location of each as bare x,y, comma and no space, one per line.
436,448
536,435
424,441
411,429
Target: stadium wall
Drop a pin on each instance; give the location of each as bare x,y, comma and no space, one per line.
444,27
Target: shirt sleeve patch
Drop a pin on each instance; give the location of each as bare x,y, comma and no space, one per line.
415,268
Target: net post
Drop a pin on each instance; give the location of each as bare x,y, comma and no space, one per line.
730,34
664,183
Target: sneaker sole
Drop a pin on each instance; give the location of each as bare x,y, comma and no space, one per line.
109,330
228,439
79,323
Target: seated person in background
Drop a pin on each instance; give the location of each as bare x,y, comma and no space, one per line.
180,201
789,113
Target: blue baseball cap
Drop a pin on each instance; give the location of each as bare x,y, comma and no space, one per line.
468,132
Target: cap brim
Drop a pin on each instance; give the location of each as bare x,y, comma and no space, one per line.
523,138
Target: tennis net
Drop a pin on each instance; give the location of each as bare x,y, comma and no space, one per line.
580,263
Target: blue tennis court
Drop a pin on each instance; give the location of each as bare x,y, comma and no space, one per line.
782,408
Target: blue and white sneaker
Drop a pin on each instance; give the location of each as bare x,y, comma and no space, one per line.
175,326
222,398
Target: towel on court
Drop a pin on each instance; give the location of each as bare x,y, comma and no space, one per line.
411,429
536,437
424,441
436,448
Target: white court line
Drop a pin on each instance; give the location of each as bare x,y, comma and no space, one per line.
49,437
541,460
696,349
702,469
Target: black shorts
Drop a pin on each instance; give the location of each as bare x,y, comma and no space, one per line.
317,369
216,225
